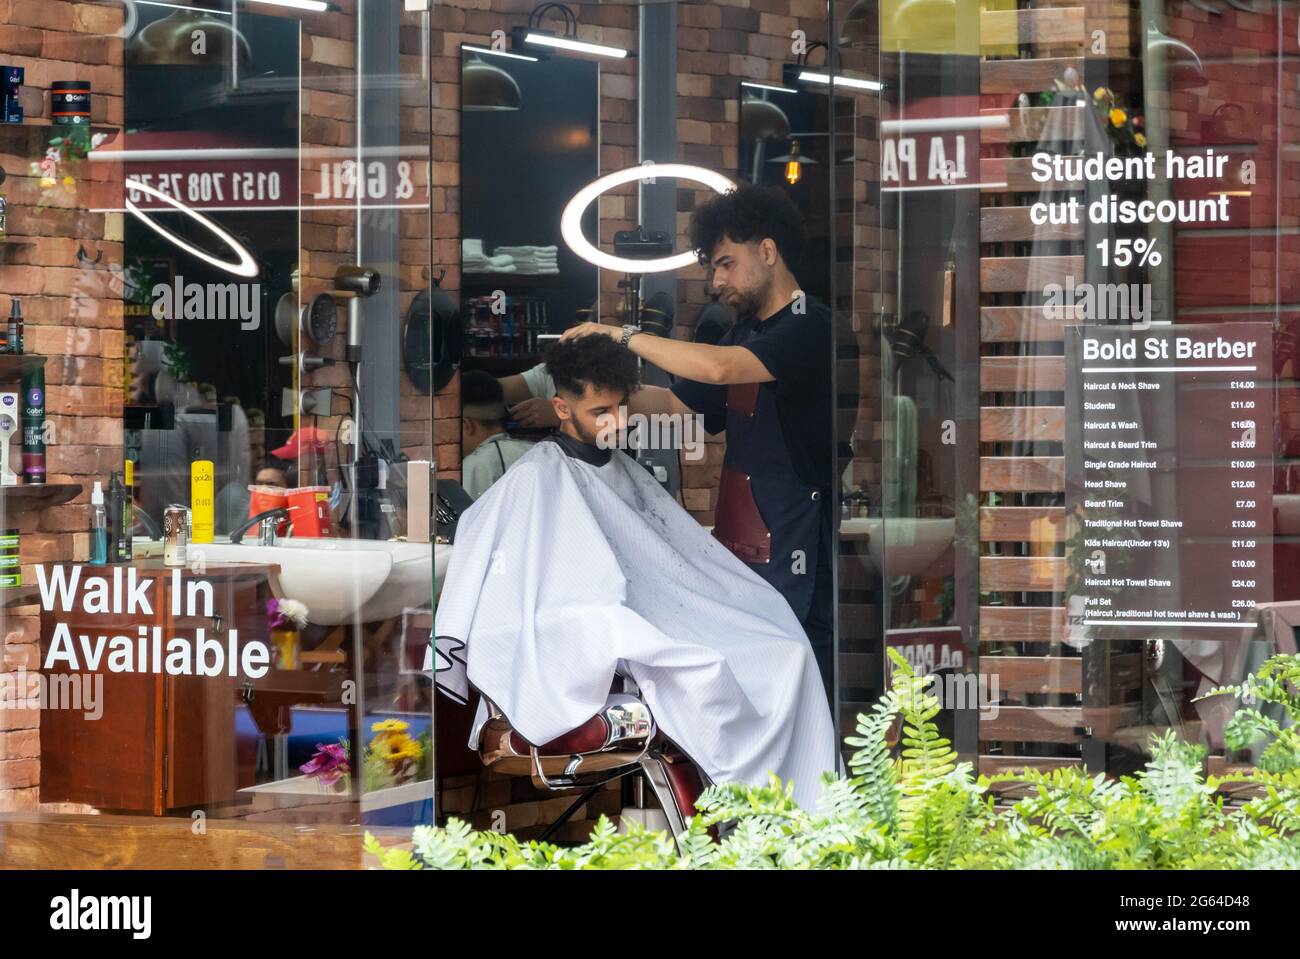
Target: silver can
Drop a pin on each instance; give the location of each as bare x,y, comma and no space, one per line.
175,536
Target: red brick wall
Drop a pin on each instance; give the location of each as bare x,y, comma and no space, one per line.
73,316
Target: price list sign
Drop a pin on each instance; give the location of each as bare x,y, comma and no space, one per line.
1169,475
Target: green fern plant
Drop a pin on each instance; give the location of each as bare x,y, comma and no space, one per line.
918,806
1277,681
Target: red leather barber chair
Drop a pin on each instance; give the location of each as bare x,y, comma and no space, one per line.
618,741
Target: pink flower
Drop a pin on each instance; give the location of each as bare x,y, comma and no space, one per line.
329,764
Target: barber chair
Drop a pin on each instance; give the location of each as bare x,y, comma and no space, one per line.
618,741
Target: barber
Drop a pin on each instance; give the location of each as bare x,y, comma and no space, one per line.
768,384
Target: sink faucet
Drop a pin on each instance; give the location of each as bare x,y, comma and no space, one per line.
266,523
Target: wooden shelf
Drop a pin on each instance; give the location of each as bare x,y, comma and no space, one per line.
14,365
14,596
38,495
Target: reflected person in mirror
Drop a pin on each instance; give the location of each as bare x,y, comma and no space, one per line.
487,448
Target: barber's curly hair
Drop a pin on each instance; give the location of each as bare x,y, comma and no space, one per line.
593,360
749,214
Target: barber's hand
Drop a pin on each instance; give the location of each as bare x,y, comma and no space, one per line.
535,413
589,329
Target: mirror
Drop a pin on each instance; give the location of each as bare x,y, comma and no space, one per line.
785,141
529,142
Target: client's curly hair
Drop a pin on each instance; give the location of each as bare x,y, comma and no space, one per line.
593,360
746,215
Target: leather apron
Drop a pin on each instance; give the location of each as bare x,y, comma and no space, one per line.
766,515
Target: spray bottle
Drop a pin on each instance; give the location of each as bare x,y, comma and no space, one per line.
98,527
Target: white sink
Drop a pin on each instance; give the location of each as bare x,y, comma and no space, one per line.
904,546
341,580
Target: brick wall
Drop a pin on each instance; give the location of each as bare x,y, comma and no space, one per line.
73,317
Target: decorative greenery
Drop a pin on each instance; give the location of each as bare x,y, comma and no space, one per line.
925,809
1276,682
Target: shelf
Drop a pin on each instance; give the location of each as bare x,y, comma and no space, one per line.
13,366
45,123
38,495
513,281
25,595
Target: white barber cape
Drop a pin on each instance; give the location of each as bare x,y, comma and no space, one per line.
565,573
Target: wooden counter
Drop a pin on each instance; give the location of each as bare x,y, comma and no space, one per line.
36,841
163,742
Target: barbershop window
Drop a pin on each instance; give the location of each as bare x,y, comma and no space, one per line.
279,281
219,264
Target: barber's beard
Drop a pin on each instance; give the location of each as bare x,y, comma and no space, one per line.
750,302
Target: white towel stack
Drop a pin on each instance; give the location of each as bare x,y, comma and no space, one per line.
474,260
532,259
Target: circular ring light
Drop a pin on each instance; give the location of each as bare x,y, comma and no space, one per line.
245,266
571,220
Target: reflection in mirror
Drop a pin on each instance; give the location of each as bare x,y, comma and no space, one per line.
528,142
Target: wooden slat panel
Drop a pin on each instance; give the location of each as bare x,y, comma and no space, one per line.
1021,324
1015,174
1013,524
1031,574
1007,224
1026,274
1019,675
1028,125
1033,724
1022,474
999,424
1022,624
1013,76
1044,26
1022,374
989,765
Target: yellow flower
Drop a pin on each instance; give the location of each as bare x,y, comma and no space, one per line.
390,726
397,748
69,181
1139,139
1117,117
1101,93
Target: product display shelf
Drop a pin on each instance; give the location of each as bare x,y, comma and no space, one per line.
37,495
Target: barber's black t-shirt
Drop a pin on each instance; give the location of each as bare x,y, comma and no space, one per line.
797,349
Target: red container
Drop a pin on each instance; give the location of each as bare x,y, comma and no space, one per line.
263,498
309,512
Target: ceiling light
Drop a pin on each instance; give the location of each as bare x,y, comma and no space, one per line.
315,6
763,120
499,53
767,86
809,77
571,220
246,265
485,87
568,43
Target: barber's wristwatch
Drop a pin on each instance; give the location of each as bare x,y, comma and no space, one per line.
629,331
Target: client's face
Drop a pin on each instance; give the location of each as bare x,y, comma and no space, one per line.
598,417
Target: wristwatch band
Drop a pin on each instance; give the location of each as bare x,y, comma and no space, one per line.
629,331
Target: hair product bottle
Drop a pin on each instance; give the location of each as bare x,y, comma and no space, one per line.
202,500
34,423
16,326
117,505
98,527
